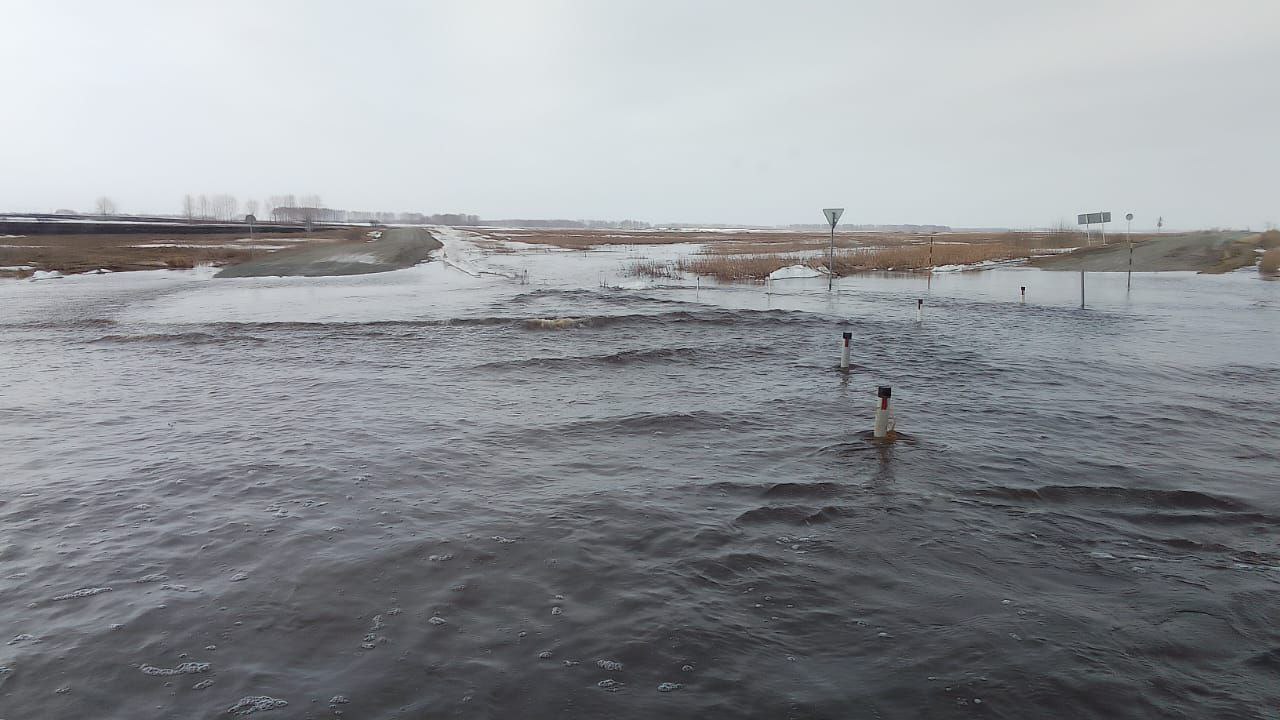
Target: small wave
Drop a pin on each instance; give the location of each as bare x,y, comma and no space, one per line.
646,423
793,514
1111,495
818,489
625,357
191,338
771,514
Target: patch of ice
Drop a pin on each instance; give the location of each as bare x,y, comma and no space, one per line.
46,275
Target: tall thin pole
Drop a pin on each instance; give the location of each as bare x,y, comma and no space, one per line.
1128,236
831,258
1082,284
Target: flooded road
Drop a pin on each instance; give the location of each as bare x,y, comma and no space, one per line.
404,495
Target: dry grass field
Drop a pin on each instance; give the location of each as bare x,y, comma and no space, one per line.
151,251
752,255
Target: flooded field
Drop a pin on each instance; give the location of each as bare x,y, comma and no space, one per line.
527,485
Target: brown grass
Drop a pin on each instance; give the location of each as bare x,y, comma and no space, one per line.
82,253
916,257
737,267
653,269
1269,239
1270,261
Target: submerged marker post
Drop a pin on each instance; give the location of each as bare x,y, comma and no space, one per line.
1128,236
882,411
833,216
919,310
844,351
1024,294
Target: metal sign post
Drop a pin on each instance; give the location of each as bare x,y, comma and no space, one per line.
1128,236
1088,219
833,217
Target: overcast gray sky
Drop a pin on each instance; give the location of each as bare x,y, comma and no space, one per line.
987,113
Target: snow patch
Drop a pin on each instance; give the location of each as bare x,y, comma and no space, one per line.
794,271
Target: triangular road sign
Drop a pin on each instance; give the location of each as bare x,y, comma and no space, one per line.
833,215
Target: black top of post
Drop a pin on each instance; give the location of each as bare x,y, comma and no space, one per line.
847,335
884,391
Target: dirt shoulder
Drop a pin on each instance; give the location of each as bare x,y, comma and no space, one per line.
1209,252
395,249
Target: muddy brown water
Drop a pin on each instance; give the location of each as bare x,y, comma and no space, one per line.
468,515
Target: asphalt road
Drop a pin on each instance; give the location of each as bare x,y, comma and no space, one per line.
1201,251
398,248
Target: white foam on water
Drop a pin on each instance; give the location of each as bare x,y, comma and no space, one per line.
156,577
256,703
437,620
544,655
338,700
503,540
611,665
669,687
239,577
186,668
82,593
24,637
203,684
610,684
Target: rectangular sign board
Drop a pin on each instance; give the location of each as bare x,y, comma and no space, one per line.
1093,218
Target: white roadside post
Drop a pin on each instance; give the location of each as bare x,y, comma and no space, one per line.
882,411
844,352
833,217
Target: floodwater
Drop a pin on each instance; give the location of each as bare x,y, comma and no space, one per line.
402,495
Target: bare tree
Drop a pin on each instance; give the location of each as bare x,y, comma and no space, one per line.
203,205
251,207
188,207
105,206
